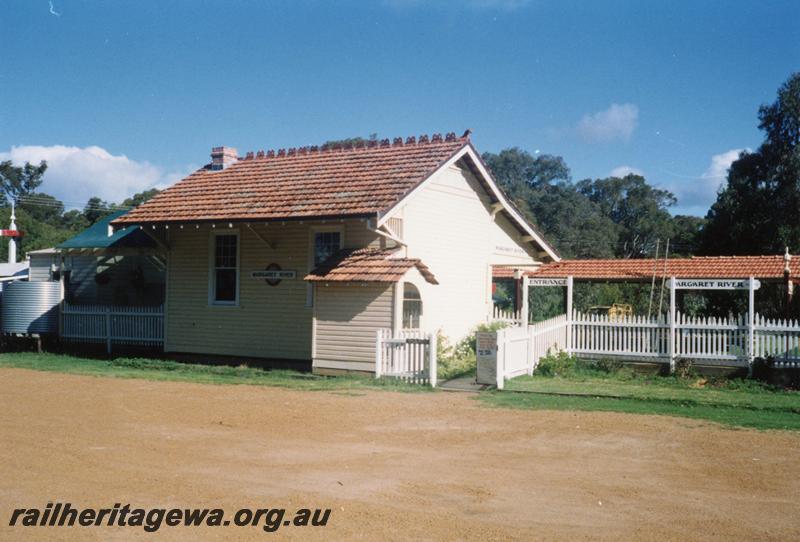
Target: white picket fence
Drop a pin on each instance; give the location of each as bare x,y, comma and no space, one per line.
725,341
695,337
601,334
111,324
520,348
508,316
407,355
778,339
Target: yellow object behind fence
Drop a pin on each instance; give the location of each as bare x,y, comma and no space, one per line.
620,311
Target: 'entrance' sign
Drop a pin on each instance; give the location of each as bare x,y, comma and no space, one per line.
547,282
715,284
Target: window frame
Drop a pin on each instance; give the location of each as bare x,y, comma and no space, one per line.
312,238
418,300
212,267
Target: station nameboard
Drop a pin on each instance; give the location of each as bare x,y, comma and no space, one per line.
274,274
547,282
715,284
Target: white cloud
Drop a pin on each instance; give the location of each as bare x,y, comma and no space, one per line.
696,194
624,171
615,123
717,171
75,174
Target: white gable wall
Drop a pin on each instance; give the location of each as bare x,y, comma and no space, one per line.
448,224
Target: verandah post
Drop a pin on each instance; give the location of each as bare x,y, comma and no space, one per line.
523,311
672,325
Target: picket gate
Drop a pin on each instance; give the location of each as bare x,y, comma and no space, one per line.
407,355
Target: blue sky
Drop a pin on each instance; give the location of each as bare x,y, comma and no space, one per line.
120,96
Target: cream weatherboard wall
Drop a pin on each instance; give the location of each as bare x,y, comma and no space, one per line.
347,316
448,224
268,321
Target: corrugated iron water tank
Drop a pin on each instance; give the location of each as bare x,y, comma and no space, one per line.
30,307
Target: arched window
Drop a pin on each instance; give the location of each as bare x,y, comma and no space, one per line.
412,306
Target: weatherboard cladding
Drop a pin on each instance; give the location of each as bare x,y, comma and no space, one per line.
302,183
765,267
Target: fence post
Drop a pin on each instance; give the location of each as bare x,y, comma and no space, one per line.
108,330
432,368
672,325
751,324
524,310
378,348
531,348
569,315
501,358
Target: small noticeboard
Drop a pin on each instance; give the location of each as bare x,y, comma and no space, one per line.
715,284
547,282
486,350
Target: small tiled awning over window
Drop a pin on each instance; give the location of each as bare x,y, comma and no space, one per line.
368,265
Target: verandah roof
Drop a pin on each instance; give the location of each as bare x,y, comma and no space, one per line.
697,267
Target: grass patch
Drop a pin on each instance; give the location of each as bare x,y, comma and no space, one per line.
173,371
569,384
726,415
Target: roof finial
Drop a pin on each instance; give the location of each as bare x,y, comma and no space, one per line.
787,258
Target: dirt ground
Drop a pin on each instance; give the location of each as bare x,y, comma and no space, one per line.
391,465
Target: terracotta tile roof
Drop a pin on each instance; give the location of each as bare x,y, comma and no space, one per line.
501,272
302,183
765,267
367,265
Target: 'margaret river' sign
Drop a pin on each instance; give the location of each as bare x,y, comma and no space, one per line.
715,284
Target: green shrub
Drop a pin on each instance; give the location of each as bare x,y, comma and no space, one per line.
608,365
559,364
685,369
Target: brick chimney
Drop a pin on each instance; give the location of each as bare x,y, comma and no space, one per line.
222,157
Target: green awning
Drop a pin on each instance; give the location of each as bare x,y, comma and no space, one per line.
96,236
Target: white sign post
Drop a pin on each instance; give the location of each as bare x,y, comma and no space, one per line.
750,284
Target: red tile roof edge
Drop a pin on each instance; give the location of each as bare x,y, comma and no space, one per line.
337,267
709,267
424,139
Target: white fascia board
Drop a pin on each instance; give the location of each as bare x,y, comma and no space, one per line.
487,177
508,207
